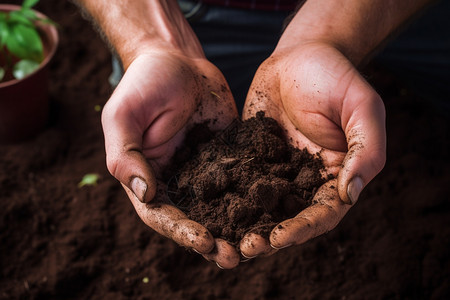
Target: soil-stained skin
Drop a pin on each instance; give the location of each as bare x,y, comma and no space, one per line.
247,178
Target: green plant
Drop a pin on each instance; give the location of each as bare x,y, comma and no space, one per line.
21,47
89,179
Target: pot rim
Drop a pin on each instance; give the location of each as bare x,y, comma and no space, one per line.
50,32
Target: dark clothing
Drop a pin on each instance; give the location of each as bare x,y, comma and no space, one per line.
268,5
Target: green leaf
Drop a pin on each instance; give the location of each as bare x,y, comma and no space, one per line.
2,73
29,14
3,32
25,42
18,17
24,67
29,3
89,179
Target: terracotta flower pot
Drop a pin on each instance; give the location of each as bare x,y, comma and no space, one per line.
24,104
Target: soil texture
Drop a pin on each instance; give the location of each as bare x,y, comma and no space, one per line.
61,241
247,178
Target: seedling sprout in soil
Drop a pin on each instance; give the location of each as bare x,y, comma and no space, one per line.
21,47
89,179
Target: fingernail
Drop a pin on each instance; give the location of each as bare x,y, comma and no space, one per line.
220,266
354,188
139,187
282,247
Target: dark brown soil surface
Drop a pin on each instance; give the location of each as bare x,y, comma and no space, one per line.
247,178
58,241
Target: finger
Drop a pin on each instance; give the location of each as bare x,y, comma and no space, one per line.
253,245
171,222
224,254
315,220
126,162
363,119
124,157
136,104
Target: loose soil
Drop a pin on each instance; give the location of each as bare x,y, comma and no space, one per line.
59,241
246,178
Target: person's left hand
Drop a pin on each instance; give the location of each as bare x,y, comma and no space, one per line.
326,106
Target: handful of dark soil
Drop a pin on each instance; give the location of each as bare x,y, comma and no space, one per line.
247,178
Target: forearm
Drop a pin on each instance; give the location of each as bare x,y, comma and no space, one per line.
137,26
355,27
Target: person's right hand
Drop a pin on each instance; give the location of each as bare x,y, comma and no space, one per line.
161,95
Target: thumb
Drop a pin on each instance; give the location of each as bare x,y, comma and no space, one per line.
124,157
365,131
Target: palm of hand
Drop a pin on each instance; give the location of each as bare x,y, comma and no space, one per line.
318,97
159,97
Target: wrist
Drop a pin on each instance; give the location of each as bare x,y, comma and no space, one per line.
357,28
141,27
323,23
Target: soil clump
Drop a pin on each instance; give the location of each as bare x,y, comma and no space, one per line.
247,178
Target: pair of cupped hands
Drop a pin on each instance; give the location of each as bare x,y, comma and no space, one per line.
312,90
